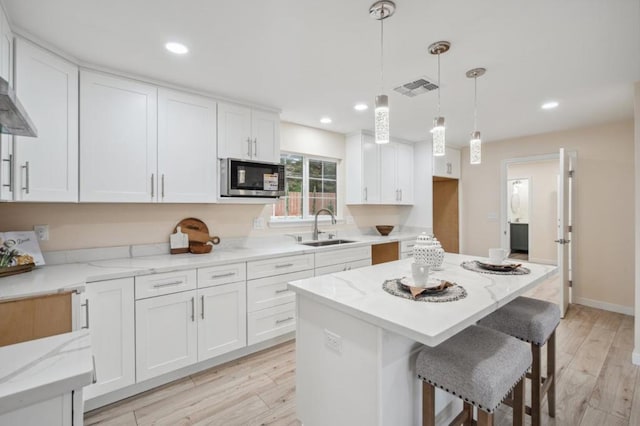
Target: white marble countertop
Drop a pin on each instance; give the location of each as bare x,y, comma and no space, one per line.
359,293
41,369
74,276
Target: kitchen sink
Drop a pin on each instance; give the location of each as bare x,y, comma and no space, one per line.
327,243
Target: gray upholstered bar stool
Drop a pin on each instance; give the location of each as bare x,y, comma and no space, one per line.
534,321
479,365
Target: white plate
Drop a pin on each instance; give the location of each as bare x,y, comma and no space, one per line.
431,282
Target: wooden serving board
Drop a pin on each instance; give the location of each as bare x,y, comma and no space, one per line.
18,269
198,233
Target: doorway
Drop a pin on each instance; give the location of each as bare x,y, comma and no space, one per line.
519,201
446,225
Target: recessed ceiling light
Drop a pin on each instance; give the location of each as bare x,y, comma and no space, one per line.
361,107
549,105
177,48
325,120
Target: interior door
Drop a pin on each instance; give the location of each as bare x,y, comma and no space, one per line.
564,221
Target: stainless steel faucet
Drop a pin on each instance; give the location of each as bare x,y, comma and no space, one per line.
315,222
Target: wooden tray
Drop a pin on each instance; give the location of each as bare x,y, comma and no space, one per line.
198,233
18,269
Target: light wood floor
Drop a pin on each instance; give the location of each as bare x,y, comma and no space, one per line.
597,384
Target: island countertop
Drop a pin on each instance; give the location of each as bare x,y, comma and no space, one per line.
359,293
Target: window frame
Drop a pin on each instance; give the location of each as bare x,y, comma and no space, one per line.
306,216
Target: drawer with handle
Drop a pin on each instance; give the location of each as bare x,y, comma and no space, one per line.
223,274
164,283
407,245
337,256
272,291
340,267
269,323
279,266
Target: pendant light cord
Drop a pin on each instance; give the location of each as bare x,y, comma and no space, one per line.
439,83
382,54
475,103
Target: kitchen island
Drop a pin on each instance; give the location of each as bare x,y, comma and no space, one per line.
356,344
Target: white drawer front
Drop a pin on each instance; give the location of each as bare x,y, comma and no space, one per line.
406,246
223,274
406,255
279,266
165,283
347,266
269,323
343,255
272,291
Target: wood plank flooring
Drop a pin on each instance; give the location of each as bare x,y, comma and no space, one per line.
597,384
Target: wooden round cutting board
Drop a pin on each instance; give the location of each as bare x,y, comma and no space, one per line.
198,233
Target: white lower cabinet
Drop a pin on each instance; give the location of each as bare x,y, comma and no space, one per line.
166,334
222,326
338,260
57,411
266,324
181,328
109,309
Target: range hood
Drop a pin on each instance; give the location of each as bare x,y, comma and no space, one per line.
14,120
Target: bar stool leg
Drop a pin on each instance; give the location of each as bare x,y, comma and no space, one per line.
518,403
428,404
535,385
484,418
551,373
468,409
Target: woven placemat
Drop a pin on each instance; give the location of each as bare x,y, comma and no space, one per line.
472,265
451,294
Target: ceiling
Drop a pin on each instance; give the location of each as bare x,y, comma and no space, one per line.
317,58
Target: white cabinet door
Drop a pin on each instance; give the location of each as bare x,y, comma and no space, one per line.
118,138
234,132
110,312
389,192
46,167
265,130
166,334
187,165
404,173
447,165
6,49
222,325
370,171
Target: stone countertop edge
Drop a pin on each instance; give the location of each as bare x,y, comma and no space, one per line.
412,333
74,276
42,369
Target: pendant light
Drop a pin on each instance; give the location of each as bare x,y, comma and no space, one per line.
438,130
475,144
381,10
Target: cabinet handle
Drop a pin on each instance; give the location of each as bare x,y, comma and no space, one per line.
167,284
449,168
255,147
193,309
366,193
284,320
10,161
153,178
86,312
202,303
284,265
400,194
249,147
94,379
229,274
162,185
284,290
26,177
410,245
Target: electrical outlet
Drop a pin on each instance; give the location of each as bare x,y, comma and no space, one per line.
333,341
258,223
42,232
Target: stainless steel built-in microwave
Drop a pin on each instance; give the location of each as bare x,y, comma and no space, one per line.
239,178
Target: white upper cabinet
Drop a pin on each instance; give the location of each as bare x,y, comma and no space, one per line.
447,165
248,134
187,166
378,174
118,136
46,167
7,162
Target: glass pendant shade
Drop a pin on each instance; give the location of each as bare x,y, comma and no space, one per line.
382,119
475,148
438,132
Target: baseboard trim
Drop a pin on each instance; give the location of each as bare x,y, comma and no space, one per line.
635,357
627,310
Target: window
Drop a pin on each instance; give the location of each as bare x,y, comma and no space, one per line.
310,185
